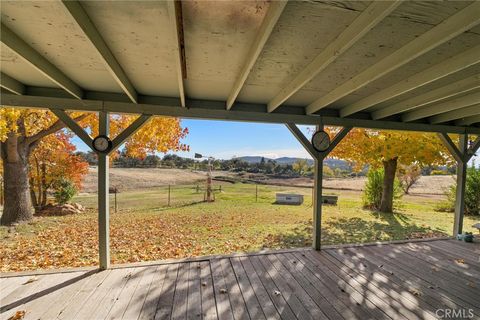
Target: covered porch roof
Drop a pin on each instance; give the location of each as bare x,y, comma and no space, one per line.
393,65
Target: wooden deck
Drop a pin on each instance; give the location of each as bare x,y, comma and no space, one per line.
395,281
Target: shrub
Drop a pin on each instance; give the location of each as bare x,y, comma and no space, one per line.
472,194
372,196
64,191
408,176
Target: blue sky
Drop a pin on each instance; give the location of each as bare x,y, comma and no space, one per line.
226,139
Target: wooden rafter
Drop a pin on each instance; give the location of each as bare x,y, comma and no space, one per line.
269,22
460,22
438,108
368,19
40,63
83,20
10,84
468,120
176,21
445,68
436,95
456,114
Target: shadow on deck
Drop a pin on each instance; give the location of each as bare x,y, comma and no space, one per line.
412,280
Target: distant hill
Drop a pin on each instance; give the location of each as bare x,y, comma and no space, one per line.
332,163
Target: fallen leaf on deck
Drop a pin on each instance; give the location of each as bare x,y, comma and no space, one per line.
460,261
435,268
276,292
223,290
416,292
471,284
33,279
204,284
18,315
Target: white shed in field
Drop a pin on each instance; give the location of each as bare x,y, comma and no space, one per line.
289,198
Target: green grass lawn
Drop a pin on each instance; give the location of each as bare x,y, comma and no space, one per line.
145,228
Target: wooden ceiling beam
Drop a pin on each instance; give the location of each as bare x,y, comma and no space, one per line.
451,27
93,35
269,22
442,93
39,62
438,108
368,19
468,120
10,84
445,68
176,20
213,110
470,111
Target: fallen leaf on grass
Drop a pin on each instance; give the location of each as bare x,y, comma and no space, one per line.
18,315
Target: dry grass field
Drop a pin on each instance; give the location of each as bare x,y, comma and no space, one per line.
142,178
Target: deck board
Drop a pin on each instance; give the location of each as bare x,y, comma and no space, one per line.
391,281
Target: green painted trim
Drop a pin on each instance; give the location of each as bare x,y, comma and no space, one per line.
11,84
452,148
83,20
215,110
129,131
74,126
20,47
103,197
307,145
461,186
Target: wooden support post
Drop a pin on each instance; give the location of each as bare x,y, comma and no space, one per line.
462,154
318,184
317,203
461,185
103,172
103,198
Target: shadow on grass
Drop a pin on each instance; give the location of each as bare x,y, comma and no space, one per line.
385,227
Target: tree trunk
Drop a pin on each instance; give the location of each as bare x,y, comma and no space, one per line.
390,168
18,205
44,185
33,195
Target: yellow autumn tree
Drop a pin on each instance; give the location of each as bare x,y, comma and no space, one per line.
381,148
21,130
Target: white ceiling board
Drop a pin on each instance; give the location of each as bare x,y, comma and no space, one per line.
17,68
395,31
48,28
218,36
441,53
302,32
139,36
474,70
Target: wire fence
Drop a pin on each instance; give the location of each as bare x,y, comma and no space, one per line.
170,196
